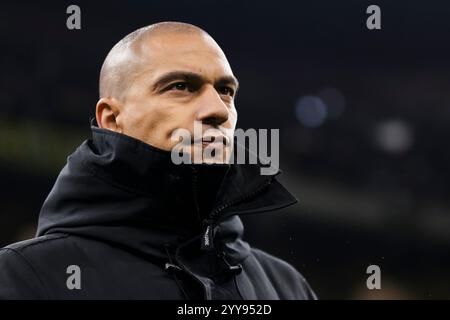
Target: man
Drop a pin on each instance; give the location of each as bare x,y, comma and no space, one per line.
123,221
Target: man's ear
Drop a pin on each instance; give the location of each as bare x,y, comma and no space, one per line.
106,112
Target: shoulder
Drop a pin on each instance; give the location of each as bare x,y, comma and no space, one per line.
37,248
284,275
19,277
38,243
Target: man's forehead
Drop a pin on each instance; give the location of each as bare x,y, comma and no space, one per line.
208,63
179,46
207,67
171,41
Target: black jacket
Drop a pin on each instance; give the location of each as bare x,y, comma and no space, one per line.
140,227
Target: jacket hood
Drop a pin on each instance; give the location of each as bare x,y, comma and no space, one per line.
120,190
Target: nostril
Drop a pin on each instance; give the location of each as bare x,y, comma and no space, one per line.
215,120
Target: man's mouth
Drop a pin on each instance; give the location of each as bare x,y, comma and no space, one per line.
212,140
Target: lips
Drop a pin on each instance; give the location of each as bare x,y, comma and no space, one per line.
212,140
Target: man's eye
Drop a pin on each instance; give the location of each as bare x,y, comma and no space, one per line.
226,91
181,86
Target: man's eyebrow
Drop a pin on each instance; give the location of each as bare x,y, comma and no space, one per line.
228,80
169,77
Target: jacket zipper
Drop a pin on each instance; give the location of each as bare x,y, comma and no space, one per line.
194,190
206,292
208,236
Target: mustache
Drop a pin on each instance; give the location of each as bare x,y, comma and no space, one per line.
212,139
204,136
211,135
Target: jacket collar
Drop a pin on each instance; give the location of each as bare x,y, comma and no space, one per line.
116,188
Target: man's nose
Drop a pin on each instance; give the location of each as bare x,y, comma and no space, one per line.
212,109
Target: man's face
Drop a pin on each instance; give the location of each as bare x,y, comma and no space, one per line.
181,78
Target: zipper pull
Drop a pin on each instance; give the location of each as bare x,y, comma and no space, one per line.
208,237
171,267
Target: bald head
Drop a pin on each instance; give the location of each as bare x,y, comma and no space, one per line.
125,59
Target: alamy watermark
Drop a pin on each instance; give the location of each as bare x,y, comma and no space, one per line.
373,22
374,280
73,281
73,21
217,145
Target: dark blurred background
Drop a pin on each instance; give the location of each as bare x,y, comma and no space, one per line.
363,117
